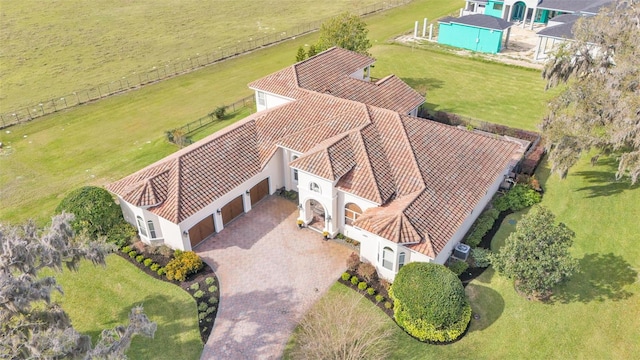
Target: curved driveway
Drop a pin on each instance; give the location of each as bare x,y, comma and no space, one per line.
270,273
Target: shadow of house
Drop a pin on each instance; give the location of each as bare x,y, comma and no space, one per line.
601,278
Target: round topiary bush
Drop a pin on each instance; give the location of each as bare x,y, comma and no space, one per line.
429,302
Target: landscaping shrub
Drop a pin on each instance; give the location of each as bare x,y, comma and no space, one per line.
213,289
147,262
481,257
387,305
519,197
481,227
165,251
161,271
133,253
213,300
210,310
367,271
371,291
219,112
122,233
183,264
209,280
355,280
194,286
126,249
385,284
202,316
140,258
353,261
346,276
154,267
202,307
198,294
430,303
379,298
458,267
95,211
362,285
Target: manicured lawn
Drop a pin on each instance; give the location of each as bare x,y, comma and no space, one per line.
101,142
47,53
594,316
98,297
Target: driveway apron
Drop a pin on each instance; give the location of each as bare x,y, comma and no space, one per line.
270,273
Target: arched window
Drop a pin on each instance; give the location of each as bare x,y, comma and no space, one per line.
152,229
351,213
401,260
141,227
314,187
387,258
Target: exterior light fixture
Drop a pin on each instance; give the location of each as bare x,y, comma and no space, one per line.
219,211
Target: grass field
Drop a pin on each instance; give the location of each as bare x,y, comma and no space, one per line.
98,298
101,142
52,49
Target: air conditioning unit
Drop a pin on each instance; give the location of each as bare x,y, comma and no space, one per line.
461,251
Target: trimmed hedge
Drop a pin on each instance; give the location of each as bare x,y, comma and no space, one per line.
430,303
519,197
481,227
481,257
458,267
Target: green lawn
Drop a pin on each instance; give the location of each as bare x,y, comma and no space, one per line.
101,142
594,316
98,297
50,50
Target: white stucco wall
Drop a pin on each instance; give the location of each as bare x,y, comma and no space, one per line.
327,196
271,100
288,156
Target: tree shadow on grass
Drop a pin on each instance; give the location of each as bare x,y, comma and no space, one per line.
487,306
601,277
602,180
423,85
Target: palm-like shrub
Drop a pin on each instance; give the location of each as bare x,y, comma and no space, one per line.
429,302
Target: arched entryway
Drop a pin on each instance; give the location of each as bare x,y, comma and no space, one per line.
518,11
317,214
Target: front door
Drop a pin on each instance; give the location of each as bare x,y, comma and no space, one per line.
518,11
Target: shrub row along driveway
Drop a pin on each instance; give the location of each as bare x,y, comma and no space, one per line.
270,273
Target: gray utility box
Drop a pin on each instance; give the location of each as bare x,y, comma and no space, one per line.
461,251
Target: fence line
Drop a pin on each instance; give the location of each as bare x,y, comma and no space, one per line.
180,135
169,70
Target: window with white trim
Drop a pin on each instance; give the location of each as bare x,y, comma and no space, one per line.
351,213
314,187
401,260
262,99
387,258
295,171
152,229
141,227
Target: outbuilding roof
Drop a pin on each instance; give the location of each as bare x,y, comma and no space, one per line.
478,20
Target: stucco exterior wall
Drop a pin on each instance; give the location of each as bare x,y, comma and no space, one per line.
471,38
327,196
494,8
271,100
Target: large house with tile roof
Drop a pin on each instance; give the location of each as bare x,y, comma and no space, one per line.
408,189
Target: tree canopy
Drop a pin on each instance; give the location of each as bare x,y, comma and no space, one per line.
599,108
31,325
347,31
429,302
537,254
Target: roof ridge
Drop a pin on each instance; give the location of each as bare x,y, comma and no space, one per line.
407,141
178,189
367,163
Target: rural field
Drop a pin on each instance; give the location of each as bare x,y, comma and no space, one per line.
50,50
592,316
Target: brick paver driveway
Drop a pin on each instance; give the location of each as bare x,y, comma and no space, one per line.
270,273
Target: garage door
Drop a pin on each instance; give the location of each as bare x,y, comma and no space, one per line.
260,191
232,210
201,230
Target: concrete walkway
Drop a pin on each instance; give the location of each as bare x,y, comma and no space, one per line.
270,273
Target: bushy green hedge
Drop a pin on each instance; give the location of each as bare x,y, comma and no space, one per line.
481,257
519,197
183,264
429,302
481,227
458,266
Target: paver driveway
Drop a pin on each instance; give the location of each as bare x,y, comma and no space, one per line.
270,273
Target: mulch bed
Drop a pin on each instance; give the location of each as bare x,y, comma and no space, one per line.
379,290
207,300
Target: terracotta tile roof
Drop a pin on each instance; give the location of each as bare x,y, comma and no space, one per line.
330,72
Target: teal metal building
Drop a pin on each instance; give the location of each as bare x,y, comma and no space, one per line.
478,32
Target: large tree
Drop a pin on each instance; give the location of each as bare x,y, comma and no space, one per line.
537,254
599,108
31,325
347,31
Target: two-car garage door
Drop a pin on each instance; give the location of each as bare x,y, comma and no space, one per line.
229,212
